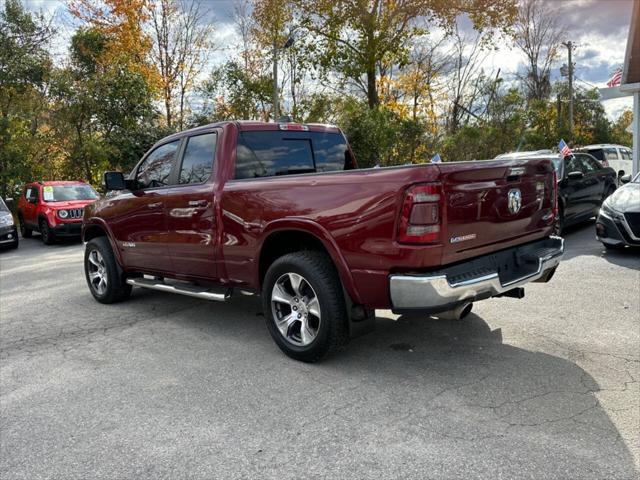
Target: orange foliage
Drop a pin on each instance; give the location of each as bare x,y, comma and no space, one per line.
122,22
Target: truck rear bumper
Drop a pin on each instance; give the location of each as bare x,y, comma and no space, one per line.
476,279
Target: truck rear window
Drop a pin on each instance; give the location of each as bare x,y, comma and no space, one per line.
272,153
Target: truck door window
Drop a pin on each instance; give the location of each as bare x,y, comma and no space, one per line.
197,161
156,169
270,153
33,195
626,154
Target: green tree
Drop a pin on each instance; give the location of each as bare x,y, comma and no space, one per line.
24,71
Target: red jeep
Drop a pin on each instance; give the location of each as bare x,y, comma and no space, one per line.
282,210
54,209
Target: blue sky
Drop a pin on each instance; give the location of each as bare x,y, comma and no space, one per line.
599,28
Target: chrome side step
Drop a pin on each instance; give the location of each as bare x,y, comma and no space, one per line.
182,289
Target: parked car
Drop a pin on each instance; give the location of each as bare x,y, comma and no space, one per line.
617,157
284,211
8,231
54,209
618,223
583,184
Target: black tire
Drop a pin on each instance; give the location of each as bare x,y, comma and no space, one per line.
48,237
320,274
24,230
117,289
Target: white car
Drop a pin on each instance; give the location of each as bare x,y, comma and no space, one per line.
617,157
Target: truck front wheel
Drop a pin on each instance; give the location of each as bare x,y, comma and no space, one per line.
304,306
101,271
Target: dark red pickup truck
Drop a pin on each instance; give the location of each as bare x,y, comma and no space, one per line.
282,210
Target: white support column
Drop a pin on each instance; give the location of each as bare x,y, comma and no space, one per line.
636,131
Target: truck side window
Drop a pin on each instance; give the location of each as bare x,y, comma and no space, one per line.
331,152
156,168
270,153
197,161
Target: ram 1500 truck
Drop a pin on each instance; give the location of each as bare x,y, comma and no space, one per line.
283,211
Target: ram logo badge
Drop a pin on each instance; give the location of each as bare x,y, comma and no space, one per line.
462,238
514,200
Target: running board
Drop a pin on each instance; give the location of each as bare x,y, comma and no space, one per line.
186,289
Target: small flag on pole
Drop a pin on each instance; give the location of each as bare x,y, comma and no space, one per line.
616,79
436,158
564,148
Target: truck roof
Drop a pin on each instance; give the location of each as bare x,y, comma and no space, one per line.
248,125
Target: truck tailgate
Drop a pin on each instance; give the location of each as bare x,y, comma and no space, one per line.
491,205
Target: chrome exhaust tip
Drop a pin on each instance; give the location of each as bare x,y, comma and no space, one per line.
458,313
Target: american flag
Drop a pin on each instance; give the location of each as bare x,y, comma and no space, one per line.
564,148
616,79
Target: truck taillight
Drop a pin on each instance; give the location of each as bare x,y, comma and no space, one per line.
421,215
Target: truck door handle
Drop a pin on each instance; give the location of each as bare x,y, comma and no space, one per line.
155,205
198,203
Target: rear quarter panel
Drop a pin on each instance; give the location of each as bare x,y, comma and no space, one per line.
357,209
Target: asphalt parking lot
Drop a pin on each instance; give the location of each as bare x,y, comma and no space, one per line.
167,386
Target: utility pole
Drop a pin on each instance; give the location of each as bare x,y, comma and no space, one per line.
275,80
287,44
569,46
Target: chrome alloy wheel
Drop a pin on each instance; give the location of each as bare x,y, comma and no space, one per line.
296,309
97,272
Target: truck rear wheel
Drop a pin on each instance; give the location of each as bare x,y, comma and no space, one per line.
102,274
304,306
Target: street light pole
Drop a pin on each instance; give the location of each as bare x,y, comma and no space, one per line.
275,80
569,46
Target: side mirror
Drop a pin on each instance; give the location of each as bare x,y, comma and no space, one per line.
620,173
114,181
575,175
625,178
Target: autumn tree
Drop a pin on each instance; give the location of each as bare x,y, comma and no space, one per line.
361,38
122,23
100,112
538,34
620,130
181,45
